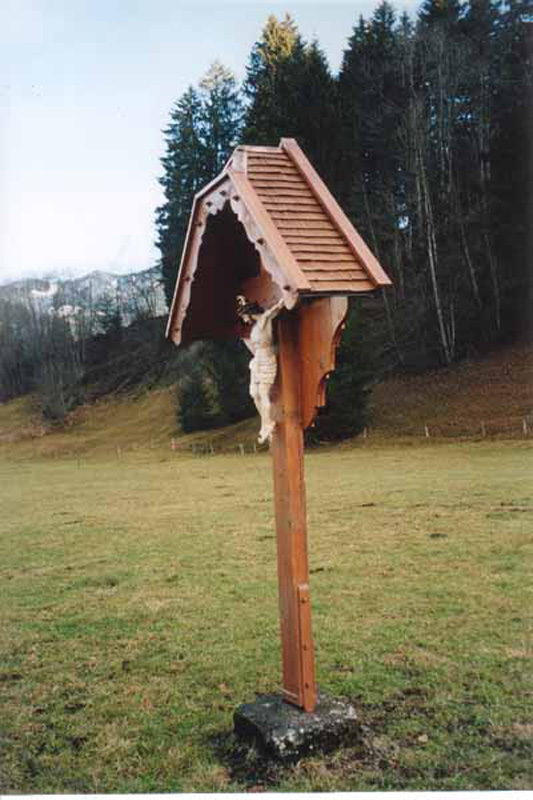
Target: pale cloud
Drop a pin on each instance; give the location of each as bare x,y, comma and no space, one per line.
30,22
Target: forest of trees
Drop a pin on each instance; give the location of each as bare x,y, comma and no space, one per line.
424,136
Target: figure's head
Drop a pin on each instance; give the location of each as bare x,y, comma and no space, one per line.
247,311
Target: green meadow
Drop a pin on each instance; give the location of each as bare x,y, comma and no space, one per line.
138,608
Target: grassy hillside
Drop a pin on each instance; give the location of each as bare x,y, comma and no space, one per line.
492,396
114,425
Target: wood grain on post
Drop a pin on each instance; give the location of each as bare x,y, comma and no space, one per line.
291,524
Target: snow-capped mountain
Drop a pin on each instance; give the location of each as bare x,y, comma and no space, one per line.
98,293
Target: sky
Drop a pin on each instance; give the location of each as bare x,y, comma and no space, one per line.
86,88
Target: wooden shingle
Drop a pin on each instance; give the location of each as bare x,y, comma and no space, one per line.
317,232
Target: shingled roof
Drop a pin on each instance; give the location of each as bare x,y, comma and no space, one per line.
303,238
327,248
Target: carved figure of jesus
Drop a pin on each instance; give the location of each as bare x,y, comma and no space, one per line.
264,364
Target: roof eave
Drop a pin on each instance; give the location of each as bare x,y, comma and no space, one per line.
179,281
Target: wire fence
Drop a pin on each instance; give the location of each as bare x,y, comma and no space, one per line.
519,429
515,428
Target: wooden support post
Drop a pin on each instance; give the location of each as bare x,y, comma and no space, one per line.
291,524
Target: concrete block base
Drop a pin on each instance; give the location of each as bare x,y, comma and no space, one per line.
287,733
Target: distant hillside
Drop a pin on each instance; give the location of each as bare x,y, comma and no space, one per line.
139,293
492,396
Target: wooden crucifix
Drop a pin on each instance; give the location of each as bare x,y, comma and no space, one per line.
271,257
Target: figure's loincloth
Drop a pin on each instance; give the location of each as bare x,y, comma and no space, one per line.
264,367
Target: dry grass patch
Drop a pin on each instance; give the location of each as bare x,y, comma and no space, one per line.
495,391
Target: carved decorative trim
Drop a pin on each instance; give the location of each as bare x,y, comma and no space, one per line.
255,236
210,205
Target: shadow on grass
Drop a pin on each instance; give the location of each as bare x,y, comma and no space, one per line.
246,765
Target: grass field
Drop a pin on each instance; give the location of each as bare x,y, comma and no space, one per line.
138,608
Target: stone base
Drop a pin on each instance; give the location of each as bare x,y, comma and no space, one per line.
285,732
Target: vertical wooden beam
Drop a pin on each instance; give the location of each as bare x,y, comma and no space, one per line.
291,524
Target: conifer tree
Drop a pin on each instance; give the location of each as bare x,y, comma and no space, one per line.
374,91
444,13
195,406
512,163
227,366
269,84
184,170
316,114
291,93
221,117
204,128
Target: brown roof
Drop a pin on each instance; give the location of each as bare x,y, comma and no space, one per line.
302,235
325,245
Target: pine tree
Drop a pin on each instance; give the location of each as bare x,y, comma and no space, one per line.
292,93
109,316
221,117
269,85
512,163
204,128
351,82
227,364
475,135
315,114
444,13
184,173
194,401
374,95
